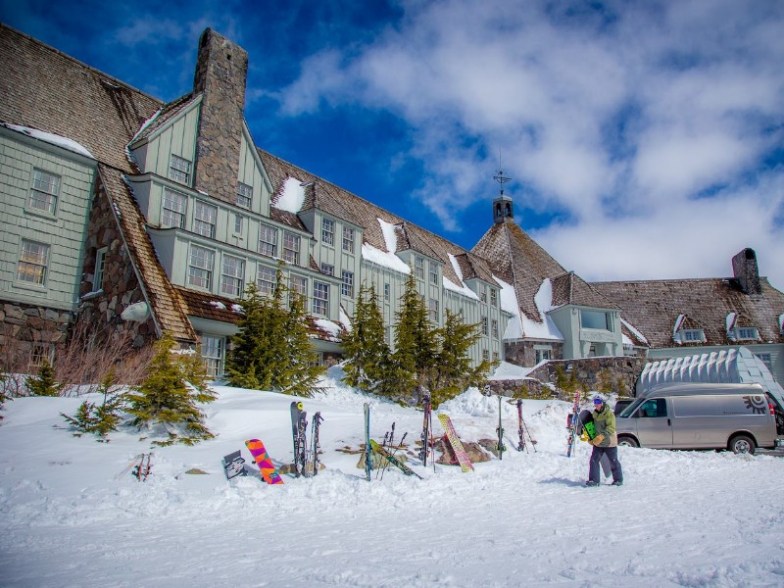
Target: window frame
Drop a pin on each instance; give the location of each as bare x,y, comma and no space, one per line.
215,362
180,169
200,272
268,248
320,298
242,196
292,244
200,224
347,283
348,239
327,231
50,197
232,284
265,285
98,269
169,196
34,263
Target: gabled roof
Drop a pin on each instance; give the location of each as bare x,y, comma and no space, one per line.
90,107
570,288
164,115
653,306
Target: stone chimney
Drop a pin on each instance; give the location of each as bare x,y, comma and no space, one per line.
221,73
744,267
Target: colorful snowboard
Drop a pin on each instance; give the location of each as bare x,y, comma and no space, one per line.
392,459
234,465
263,460
455,443
587,431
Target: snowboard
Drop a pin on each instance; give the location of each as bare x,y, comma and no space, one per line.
587,430
234,465
455,443
299,424
263,460
392,459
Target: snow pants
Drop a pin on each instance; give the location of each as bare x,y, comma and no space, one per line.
594,469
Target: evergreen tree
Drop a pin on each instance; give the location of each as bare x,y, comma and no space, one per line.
364,347
165,399
99,419
241,360
44,384
298,371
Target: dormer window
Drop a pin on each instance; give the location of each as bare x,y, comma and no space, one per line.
244,195
746,334
180,169
693,336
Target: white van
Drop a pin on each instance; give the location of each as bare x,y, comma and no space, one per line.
738,417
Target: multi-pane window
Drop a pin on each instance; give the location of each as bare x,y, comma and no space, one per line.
386,292
174,206
298,286
419,267
482,293
33,263
45,191
212,354
100,260
200,267
348,239
493,296
265,280
484,325
180,169
542,353
232,275
328,269
320,298
433,273
204,219
291,244
268,241
693,335
239,224
244,195
347,286
746,333
494,328
328,231
432,308
485,355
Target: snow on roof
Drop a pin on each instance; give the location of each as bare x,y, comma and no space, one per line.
730,321
636,333
292,197
544,303
459,288
390,237
514,330
52,139
345,320
329,326
144,126
510,371
382,258
218,304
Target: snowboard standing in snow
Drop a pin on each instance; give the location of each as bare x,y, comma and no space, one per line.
268,470
368,464
299,425
392,459
572,422
234,465
587,433
454,443
313,464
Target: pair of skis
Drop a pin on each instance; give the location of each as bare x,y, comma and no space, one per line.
522,429
573,424
372,446
306,458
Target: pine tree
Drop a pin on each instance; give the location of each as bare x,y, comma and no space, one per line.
241,360
99,419
44,383
298,372
364,347
165,399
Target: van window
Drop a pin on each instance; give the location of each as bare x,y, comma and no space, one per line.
729,405
653,408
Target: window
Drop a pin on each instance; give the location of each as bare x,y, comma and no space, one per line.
419,267
494,328
33,263
496,357
204,219
745,333
692,335
200,268
432,310
244,196
213,355
174,205
433,273
484,325
483,293
299,285
493,296
44,192
291,248
328,269
386,292
347,287
232,276
328,231
180,169
320,298
653,408
265,280
268,241
594,319
348,239
100,259
239,224
542,353
485,355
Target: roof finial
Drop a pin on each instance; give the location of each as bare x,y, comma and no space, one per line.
500,177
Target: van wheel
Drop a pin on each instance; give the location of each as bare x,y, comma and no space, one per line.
627,442
742,444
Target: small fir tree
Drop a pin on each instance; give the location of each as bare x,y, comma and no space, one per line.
364,347
604,381
299,370
99,419
44,384
165,399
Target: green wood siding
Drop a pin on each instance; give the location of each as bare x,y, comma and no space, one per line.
63,232
252,173
177,137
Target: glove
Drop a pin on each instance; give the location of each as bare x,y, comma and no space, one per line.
596,441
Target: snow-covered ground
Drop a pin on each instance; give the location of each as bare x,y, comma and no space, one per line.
71,516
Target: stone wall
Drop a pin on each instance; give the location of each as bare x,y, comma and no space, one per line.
23,326
523,352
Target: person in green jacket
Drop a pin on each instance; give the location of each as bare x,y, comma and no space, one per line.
604,443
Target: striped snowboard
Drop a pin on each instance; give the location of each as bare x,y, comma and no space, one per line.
454,441
263,460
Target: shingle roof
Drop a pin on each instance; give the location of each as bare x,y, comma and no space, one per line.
90,107
653,306
570,288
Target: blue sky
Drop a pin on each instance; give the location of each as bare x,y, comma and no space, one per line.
644,140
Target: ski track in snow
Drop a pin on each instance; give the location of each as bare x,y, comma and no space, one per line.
71,515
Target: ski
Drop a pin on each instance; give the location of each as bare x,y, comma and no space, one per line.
268,470
234,465
314,448
572,422
427,427
298,415
368,464
520,431
392,459
143,467
454,443
500,430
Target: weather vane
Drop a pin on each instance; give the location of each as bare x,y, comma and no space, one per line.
500,177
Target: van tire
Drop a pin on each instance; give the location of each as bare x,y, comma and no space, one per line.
741,444
627,442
